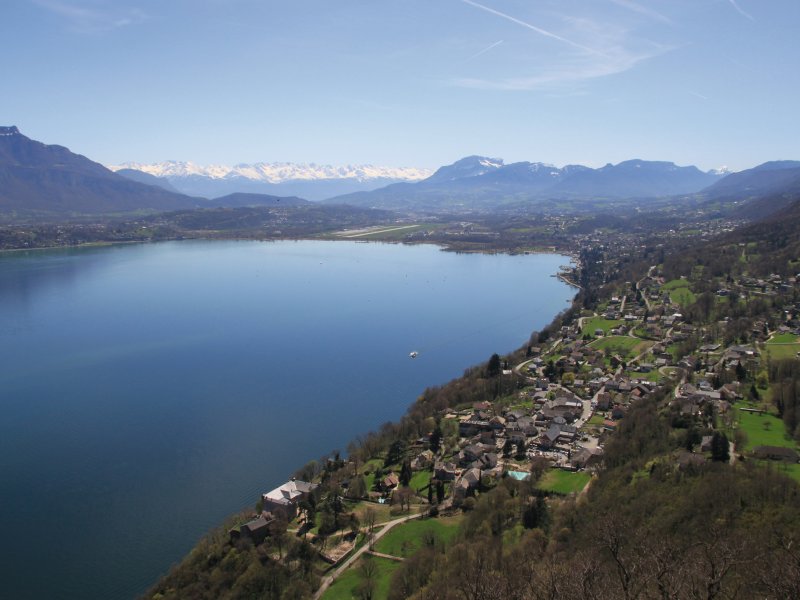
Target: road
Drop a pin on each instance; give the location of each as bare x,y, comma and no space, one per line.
327,581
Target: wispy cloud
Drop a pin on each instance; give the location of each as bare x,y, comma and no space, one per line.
538,30
90,19
600,47
642,10
485,50
696,95
740,10
553,77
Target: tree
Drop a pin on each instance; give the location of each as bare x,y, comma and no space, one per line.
494,367
436,439
405,473
396,453
357,488
277,531
369,573
535,514
439,492
719,447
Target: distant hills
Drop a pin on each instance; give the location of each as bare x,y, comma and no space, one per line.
758,192
240,200
479,183
311,181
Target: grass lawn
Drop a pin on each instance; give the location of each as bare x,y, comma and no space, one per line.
382,512
420,480
624,345
764,430
784,338
784,345
590,325
679,292
404,540
346,586
563,482
595,420
653,375
675,284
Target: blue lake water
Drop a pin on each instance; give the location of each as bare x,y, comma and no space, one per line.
148,391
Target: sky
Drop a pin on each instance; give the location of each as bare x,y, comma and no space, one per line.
406,82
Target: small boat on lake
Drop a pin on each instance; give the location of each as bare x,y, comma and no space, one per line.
413,354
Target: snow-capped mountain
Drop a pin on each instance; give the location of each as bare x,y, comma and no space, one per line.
311,181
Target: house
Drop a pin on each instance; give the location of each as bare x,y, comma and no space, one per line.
470,480
256,530
549,438
487,462
422,461
473,424
586,457
390,482
470,454
444,471
287,497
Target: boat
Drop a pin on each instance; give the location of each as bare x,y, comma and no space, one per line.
413,354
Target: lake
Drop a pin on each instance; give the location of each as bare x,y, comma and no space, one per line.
148,391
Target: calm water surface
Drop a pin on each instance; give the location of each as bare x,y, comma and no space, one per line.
149,391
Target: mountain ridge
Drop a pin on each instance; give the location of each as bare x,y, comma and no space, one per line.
481,183
48,179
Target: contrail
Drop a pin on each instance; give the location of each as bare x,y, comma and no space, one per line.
485,50
696,95
538,30
641,10
738,9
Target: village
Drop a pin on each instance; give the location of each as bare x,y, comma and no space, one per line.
366,514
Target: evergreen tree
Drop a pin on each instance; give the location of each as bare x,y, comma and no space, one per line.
493,368
720,447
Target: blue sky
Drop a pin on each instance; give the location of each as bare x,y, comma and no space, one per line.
406,82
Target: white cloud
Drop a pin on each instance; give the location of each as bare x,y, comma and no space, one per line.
556,76
90,19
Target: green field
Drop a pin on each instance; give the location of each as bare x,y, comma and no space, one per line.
653,375
590,325
624,345
679,292
346,586
404,540
420,480
764,430
784,345
563,482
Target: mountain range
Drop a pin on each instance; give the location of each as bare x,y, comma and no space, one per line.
40,180
480,183
311,181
